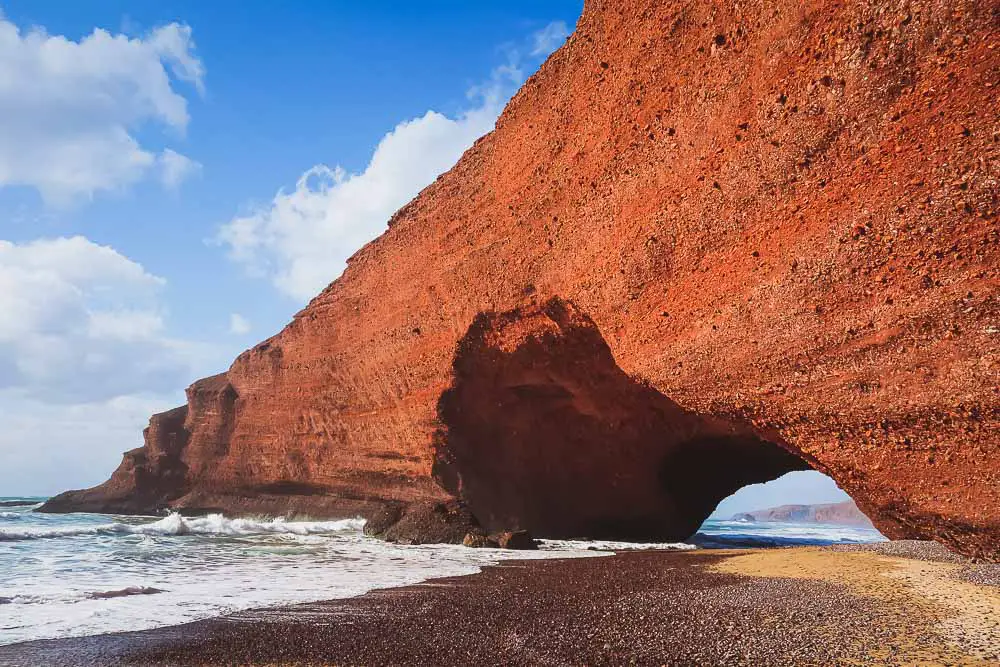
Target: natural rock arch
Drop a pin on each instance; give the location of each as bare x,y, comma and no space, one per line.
790,231
541,430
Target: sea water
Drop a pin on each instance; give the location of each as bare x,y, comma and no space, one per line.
64,575
717,533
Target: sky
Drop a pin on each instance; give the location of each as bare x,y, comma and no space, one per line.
178,178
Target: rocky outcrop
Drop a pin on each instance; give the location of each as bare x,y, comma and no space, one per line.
707,243
841,514
425,523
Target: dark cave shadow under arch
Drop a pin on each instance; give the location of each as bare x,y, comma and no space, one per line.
541,430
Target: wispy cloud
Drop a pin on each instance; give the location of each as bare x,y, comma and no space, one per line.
238,325
549,38
175,168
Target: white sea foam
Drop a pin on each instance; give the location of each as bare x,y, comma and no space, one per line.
175,524
209,566
60,587
10,515
609,545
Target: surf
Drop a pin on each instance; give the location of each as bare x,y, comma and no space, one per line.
175,524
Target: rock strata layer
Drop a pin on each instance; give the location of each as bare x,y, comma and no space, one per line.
707,243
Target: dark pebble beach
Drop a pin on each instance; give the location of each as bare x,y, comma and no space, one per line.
646,608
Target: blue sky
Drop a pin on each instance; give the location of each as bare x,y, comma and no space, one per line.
286,87
178,178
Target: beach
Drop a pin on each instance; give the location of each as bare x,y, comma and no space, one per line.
895,603
74,575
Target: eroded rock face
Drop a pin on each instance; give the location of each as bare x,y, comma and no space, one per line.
541,430
779,217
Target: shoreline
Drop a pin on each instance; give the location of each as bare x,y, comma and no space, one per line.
894,604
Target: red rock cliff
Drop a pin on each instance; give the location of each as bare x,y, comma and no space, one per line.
707,243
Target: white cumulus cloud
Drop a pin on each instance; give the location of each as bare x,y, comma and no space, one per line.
70,109
81,322
302,239
84,360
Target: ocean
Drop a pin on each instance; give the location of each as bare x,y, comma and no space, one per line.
64,575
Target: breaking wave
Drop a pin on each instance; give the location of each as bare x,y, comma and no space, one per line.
175,524
10,515
611,545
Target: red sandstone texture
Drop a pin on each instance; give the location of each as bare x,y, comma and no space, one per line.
702,236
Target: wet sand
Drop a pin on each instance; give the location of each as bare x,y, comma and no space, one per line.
894,605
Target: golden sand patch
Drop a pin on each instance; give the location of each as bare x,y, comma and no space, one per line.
962,618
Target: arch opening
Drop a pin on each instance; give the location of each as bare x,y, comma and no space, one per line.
542,430
798,508
805,488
